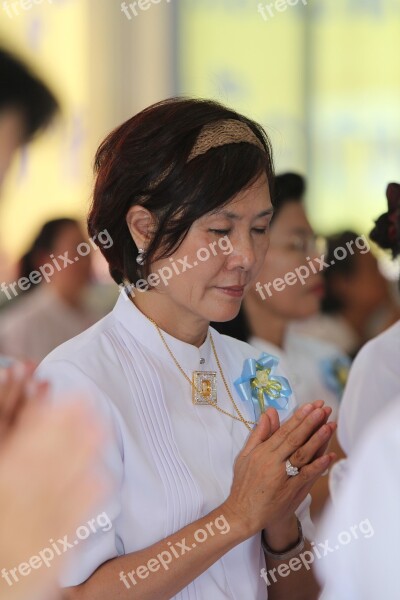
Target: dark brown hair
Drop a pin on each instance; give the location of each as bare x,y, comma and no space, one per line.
386,232
145,161
22,90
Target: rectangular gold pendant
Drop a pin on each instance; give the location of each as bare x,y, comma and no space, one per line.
204,387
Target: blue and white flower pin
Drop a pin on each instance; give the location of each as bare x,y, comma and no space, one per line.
335,372
259,388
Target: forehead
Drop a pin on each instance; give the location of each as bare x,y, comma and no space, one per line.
69,234
252,200
292,216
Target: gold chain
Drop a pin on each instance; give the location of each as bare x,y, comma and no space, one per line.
221,410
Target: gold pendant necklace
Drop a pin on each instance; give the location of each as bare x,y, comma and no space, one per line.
206,394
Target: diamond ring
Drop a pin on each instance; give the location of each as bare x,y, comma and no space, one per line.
291,471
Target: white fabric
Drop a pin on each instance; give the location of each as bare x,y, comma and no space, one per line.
39,322
173,461
373,382
366,567
302,358
332,329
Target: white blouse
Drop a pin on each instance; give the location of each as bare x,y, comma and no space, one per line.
360,533
373,382
173,460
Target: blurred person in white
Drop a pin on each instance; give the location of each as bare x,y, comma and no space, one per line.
50,475
55,310
171,181
358,302
316,368
374,379
366,564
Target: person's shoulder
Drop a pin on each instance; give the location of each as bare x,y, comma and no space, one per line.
79,348
28,313
386,423
390,336
386,346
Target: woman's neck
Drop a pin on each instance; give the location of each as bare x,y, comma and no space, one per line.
174,320
263,323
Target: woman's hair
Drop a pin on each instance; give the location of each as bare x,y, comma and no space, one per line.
21,90
332,302
386,232
146,161
43,243
288,187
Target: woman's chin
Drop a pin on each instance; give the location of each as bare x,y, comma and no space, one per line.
225,314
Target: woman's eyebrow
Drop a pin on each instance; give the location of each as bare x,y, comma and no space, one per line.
235,217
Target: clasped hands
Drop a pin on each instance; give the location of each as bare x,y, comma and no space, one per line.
263,496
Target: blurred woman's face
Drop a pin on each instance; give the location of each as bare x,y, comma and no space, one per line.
75,268
225,251
292,245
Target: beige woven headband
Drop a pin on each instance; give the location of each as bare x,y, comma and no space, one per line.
214,135
221,133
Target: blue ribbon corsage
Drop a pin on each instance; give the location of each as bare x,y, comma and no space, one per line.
335,372
259,388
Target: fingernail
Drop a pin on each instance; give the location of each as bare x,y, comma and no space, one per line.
317,414
324,460
323,432
307,409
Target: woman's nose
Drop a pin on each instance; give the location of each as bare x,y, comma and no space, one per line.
243,255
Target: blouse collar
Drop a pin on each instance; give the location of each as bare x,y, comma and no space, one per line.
188,356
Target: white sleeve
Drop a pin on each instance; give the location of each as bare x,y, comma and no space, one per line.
359,554
363,397
304,516
103,543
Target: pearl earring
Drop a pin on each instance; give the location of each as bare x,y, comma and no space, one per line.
140,257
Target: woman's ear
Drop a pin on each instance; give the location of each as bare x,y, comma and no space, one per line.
141,224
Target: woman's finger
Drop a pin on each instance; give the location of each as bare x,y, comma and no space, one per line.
325,447
274,420
298,417
292,425
15,383
11,390
302,433
309,474
260,433
314,447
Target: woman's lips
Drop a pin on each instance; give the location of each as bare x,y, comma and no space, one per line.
235,291
318,290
